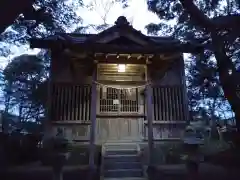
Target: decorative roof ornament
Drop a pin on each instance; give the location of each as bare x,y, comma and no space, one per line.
122,21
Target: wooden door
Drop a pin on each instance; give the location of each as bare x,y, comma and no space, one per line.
121,109
119,129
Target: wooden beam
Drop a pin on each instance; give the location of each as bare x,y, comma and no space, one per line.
155,61
120,60
110,48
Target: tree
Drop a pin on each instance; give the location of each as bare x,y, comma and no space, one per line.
25,86
7,16
102,8
212,23
40,19
205,94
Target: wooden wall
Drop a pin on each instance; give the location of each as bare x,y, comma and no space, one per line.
169,102
174,75
71,97
65,69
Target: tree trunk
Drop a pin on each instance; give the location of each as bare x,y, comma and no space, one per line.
228,81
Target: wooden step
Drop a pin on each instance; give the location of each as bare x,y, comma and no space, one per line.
123,173
121,152
122,165
121,158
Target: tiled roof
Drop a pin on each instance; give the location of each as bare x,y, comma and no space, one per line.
81,38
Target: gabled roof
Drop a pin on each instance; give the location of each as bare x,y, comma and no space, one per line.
122,28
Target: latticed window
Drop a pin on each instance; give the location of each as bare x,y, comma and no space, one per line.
119,100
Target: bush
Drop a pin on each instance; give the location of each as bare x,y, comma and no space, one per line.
51,149
20,149
166,153
213,147
80,155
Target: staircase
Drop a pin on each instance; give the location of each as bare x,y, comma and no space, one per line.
122,161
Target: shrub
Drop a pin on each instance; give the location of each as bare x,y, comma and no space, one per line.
20,148
51,148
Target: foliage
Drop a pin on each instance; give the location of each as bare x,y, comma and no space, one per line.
205,94
214,147
43,18
25,86
20,148
197,129
214,24
164,153
52,151
25,77
102,8
79,155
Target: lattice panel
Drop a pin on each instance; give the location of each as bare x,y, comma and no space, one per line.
71,102
169,103
114,100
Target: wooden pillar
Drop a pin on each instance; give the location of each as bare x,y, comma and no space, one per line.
185,98
47,122
150,119
93,117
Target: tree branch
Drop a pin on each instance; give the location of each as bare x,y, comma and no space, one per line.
231,21
10,10
196,14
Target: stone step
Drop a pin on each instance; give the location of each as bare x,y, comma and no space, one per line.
123,173
126,178
121,158
128,146
121,152
122,165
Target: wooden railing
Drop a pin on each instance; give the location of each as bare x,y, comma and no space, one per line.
169,103
71,102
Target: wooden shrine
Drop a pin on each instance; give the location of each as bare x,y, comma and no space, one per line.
116,86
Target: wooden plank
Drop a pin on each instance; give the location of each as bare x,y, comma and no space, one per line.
69,109
87,109
72,102
155,122
78,117
75,103
174,104
107,115
71,122
170,109
177,103
162,102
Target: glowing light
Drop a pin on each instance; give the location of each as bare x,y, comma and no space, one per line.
121,68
